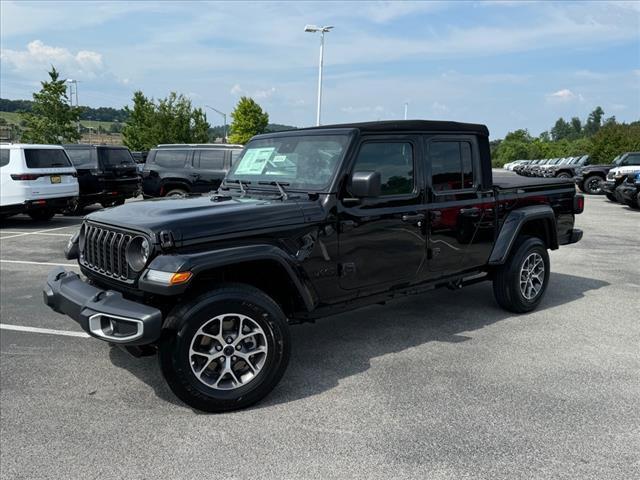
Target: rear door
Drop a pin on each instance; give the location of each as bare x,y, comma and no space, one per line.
85,161
209,167
381,240
461,216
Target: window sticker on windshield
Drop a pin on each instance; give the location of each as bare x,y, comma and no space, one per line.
254,161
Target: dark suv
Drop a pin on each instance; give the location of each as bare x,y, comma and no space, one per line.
176,170
106,174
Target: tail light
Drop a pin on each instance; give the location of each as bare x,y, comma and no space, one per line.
25,176
578,204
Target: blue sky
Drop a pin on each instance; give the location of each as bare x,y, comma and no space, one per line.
506,64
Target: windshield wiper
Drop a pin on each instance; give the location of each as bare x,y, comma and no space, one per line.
240,184
283,193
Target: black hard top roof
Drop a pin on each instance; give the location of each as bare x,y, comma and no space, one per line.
410,125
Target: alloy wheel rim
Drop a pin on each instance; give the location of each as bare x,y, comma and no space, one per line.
532,276
228,351
594,185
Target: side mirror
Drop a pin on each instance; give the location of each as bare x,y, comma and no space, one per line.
365,184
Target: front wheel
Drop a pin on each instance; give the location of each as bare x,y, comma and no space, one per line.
520,283
229,350
593,185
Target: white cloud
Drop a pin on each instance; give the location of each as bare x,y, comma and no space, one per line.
39,56
237,90
565,95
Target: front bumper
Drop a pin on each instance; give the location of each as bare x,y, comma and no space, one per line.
104,314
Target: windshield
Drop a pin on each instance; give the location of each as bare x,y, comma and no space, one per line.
113,157
617,160
305,162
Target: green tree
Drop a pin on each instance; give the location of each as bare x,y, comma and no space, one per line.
561,130
515,146
614,139
138,133
594,122
52,119
169,120
248,120
576,128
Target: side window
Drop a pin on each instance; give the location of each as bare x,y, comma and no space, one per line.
4,157
394,161
212,159
171,158
633,159
451,165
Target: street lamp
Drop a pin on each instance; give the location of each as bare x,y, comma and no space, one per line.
224,116
322,30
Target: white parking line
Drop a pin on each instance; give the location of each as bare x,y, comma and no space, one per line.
40,263
36,232
19,328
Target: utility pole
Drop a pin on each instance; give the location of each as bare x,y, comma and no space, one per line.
406,109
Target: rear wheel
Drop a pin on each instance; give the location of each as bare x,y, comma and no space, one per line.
521,282
593,185
563,175
230,350
42,215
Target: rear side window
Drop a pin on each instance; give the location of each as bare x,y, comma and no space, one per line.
81,158
113,157
46,158
4,157
394,161
451,165
171,158
211,159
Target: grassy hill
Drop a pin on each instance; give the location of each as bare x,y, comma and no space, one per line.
15,118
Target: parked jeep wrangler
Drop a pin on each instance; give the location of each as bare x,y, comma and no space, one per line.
308,223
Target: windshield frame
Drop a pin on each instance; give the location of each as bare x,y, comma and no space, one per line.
330,187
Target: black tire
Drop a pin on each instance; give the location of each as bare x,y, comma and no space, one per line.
592,185
74,208
41,215
506,282
611,197
176,192
564,175
174,348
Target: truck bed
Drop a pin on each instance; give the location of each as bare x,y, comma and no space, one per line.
506,180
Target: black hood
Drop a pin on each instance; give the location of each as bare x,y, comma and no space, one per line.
202,217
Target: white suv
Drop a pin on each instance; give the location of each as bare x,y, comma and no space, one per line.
38,180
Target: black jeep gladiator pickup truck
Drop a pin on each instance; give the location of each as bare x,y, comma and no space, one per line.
308,223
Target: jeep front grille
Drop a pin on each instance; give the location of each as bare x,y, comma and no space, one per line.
105,251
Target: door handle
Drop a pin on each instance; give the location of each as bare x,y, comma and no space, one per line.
413,217
470,211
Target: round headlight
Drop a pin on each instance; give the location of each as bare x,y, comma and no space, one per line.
138,253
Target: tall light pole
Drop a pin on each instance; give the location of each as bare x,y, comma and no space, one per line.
224,116
70,81
322,30
406,109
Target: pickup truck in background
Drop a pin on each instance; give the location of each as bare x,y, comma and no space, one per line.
308,223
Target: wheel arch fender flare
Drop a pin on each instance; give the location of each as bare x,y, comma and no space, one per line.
203,261
515,222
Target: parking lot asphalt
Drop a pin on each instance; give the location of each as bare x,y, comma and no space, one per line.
441,386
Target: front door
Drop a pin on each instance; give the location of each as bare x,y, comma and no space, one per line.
461,217
382,240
